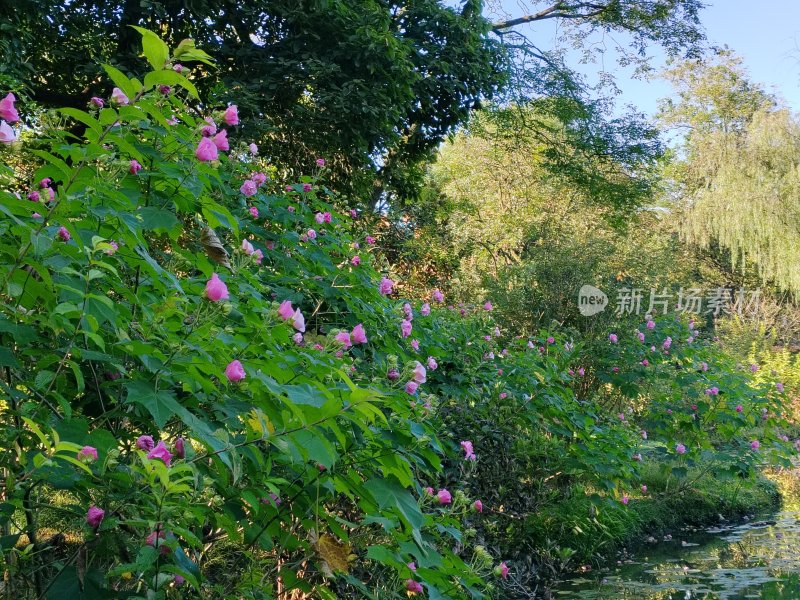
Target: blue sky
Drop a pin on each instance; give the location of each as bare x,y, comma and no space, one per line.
766,34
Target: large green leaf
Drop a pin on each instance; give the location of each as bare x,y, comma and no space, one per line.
160,403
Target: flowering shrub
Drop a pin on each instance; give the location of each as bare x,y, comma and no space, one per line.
203,363
192,357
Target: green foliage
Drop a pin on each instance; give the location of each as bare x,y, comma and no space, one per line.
737,179
329,463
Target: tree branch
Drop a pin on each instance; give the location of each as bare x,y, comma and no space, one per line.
556,11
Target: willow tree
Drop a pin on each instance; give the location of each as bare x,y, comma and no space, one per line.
738,178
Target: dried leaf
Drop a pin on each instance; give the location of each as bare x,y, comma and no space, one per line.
214,248
335,555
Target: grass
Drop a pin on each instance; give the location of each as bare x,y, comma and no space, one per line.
582,529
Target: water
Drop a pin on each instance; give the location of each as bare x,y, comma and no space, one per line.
748,560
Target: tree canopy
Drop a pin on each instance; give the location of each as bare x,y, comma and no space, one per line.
372,85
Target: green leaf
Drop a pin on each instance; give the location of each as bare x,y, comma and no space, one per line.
160,403
85,118
388,493
122,82
154,49
169,77
155,219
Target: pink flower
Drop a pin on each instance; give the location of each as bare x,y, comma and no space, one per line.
356,260
640,335
353,213
249,188
160,452
234,371
469,452
438,296
503,570
179,580
216,289
393,374
145,442
551,340
413,587
64,234
488,306
344,338
7,134
118,97
154,539
221,140
178,68
405,328
231,115
259,178
7,110
645,362
625,499
444,496
180,448
581,371
419,374
87,454
320,162
385,287
299,321
680,449
415,345
95,516
651,324
704,366
425,310
411,387
643,433
432,364
478,506
297,338
33,196
428,491
779,387
258,256
45,183
114,247
755,445
319,218
206,150
612,337
753,368
253,149
326,216
312,235
739,408
358,335
247,247
307,187
714,391
96,102
412,565
135,167
285,310
370,240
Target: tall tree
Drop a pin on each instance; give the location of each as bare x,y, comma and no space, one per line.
738,175
372,85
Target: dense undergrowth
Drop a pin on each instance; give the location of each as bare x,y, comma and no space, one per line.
213,388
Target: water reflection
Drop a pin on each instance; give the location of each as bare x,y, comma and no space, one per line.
756,560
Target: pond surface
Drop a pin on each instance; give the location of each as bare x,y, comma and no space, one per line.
758,559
